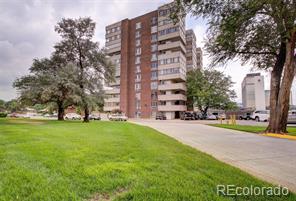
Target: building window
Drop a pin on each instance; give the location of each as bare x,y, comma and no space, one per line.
168,31
138,51
138,105
169,61
154,20
154,29
154,104
137,61
138,77
163,12
138,42
171,71
153,85
154,65
137,86
154,95
138,96
138,69
154,57
154,75
164,22
138,25
138,34
153,47
153,37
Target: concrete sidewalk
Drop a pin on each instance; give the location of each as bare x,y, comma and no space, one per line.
271,159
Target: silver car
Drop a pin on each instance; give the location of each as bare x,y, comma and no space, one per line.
292,117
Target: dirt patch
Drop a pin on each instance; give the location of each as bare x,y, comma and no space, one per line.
108,197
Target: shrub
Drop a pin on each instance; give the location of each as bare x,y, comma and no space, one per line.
3,114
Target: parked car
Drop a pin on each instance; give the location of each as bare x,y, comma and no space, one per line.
94,117
197,116
72,116
160,116
187,116
221,116
246,116
260,115
13,115
211,117
292,117
117,117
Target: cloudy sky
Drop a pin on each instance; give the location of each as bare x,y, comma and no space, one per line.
27,32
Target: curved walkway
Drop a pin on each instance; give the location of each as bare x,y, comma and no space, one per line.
268,158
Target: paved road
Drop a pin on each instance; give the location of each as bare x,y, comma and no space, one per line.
271,159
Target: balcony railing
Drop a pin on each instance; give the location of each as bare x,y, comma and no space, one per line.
171,97
171,108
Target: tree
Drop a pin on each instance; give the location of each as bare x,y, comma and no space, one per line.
210,89
2,105
262,33
13,105
50,81
94,68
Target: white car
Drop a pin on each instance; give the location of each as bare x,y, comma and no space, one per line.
72,116
211,117
260,115
117,117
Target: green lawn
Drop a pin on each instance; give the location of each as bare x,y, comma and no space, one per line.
54,161
251,129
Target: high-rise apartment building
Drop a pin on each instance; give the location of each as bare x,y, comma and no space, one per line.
150,56
253,94
190,50
199,62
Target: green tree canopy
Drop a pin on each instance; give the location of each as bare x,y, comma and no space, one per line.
50,81
78,47
210,89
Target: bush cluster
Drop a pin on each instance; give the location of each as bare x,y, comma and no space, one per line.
3,114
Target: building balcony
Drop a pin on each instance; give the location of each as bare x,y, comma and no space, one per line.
172,45
112,100
177,77
170,54
113,91
111,50
172,97
172,86
171,108
170,35
110,108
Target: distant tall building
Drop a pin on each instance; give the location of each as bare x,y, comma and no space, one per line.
149,52
190,50
267,98
253,94
199,62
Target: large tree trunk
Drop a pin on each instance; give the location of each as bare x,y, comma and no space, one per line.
86,113
61,111
278,123
275,83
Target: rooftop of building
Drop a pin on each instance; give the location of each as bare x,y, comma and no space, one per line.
253,74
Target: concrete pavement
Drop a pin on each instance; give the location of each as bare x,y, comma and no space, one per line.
271,159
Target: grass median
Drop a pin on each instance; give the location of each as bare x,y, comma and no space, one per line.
251,129
51,160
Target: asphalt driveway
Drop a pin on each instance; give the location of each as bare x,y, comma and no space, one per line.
268,158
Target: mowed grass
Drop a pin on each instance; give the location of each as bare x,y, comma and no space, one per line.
251,129
55,161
